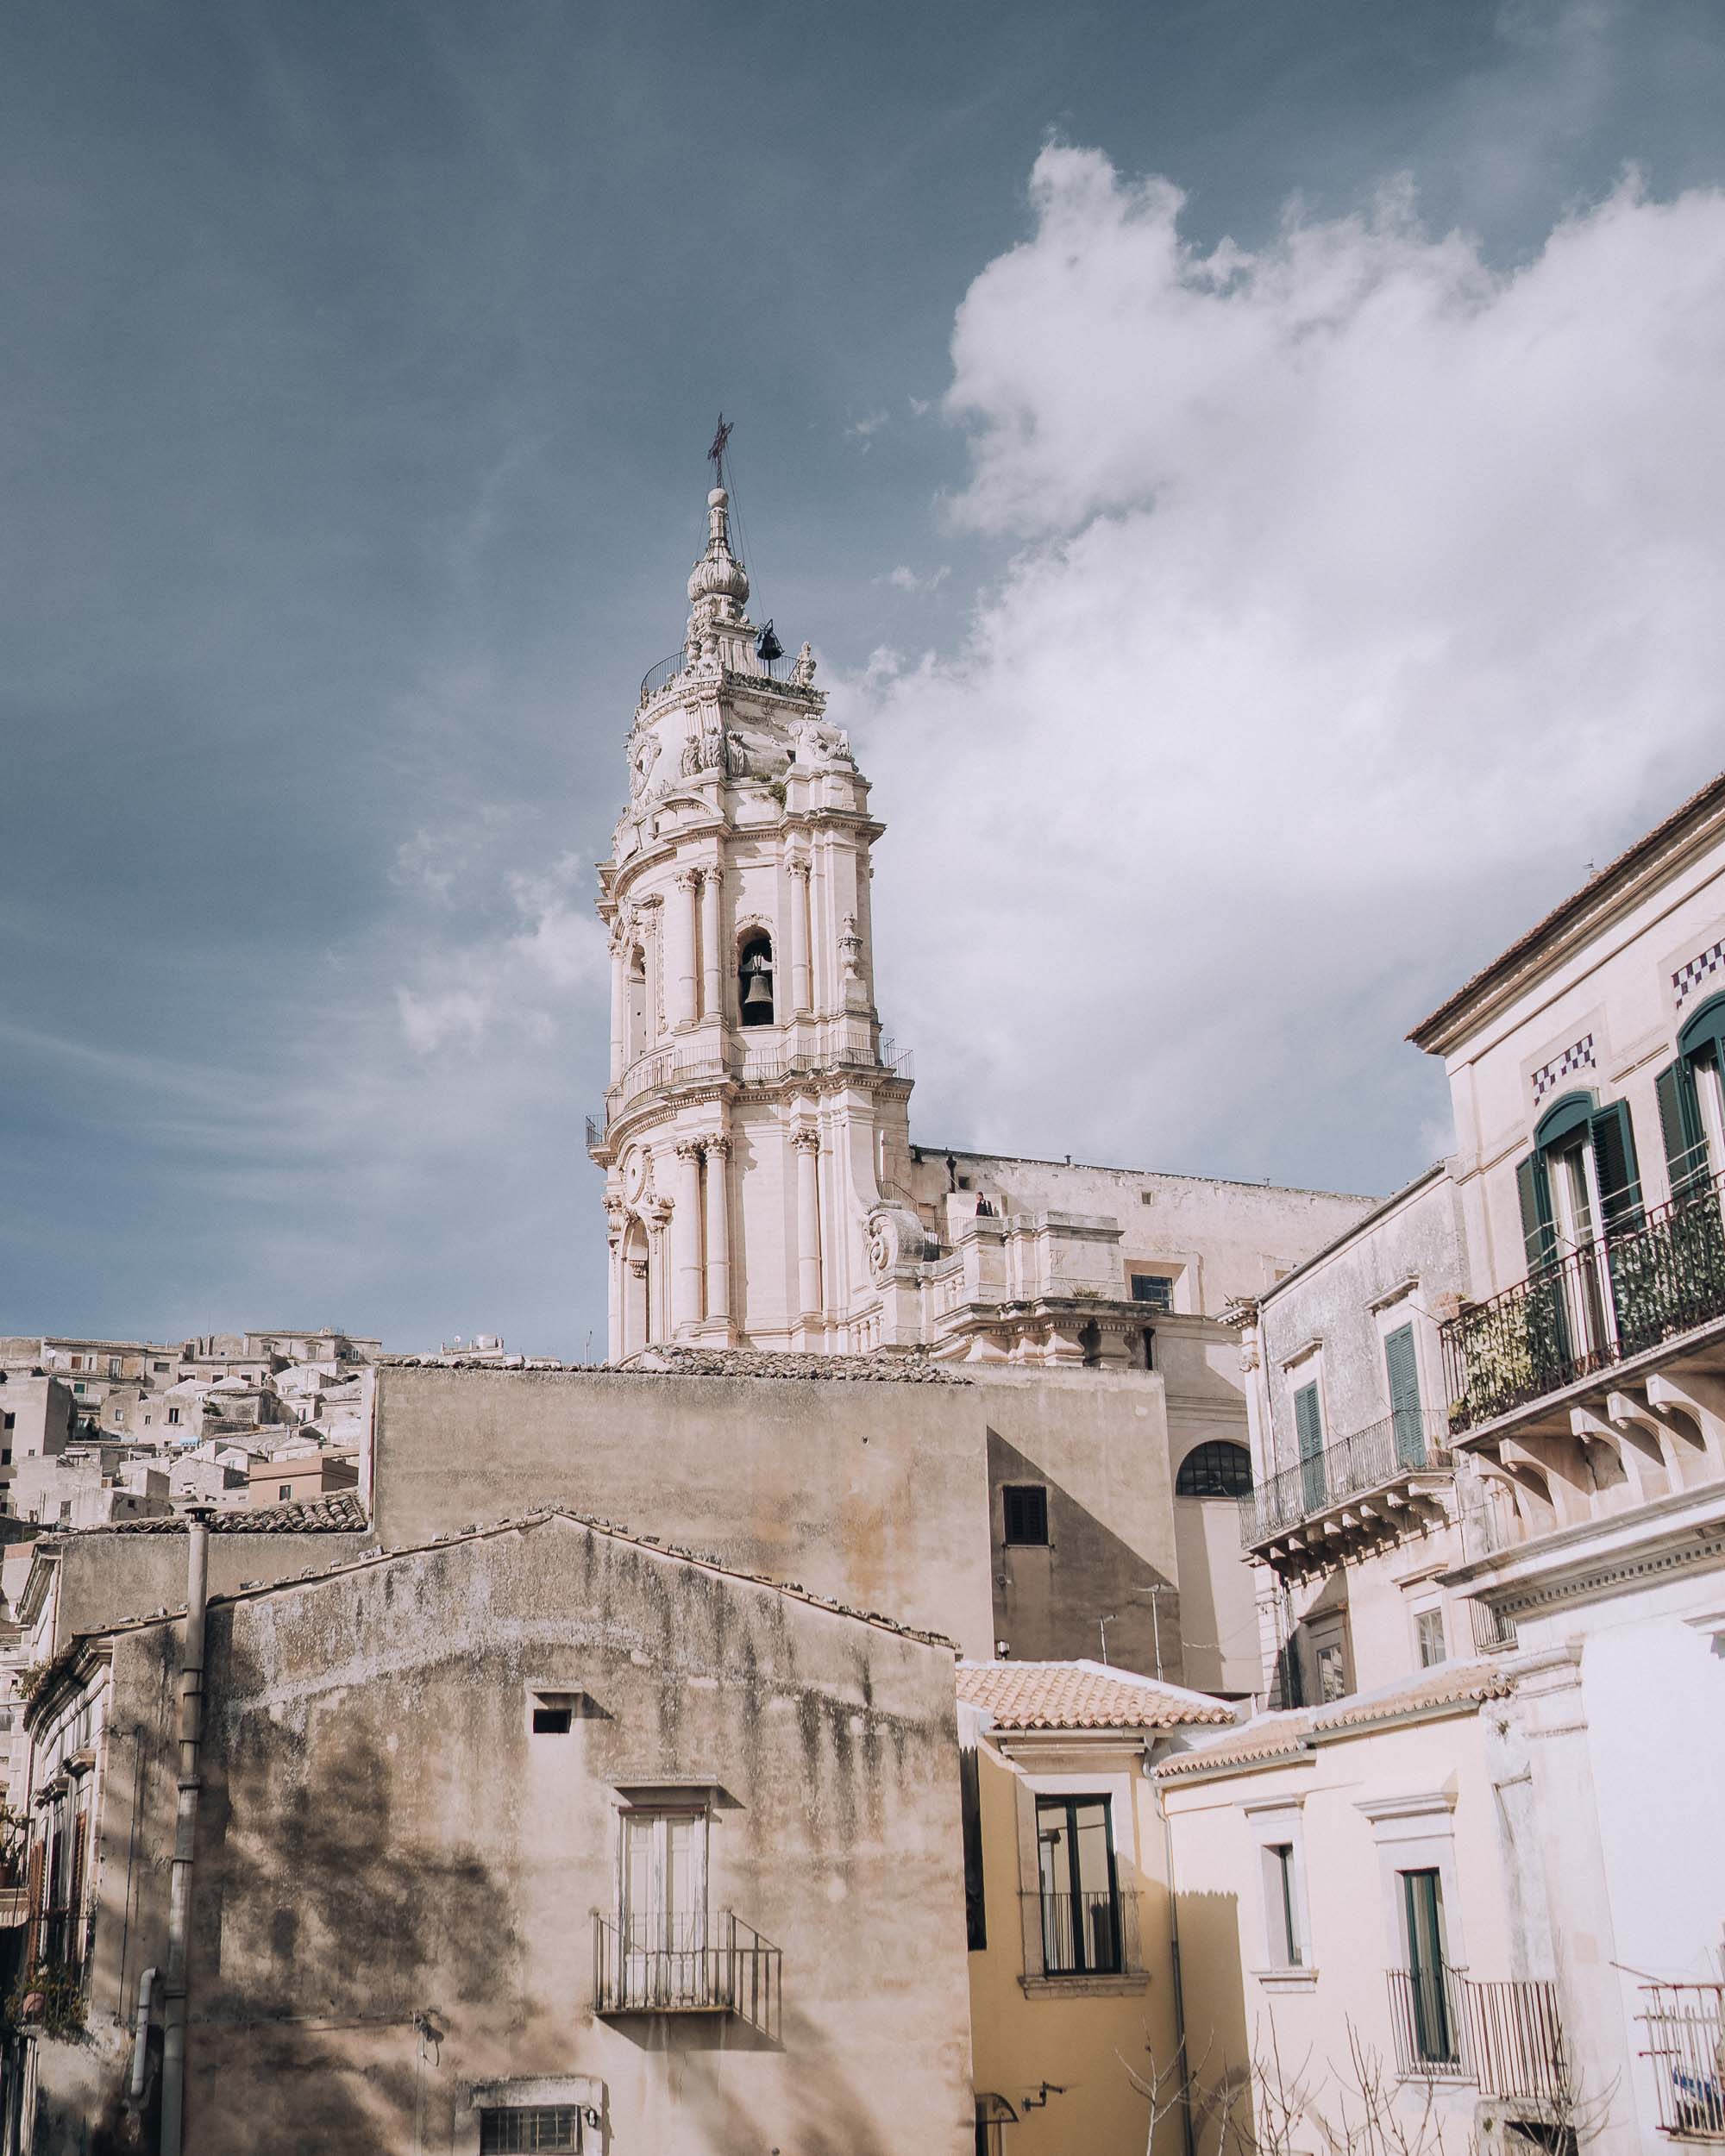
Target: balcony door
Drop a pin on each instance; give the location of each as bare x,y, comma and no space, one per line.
1308,1425
1434,2033
1081,1917
664,1920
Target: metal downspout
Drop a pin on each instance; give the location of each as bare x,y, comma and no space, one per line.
184,1831
1189,2137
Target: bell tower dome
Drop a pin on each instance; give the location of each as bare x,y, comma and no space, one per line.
754,1137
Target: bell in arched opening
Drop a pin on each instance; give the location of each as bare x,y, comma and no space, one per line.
755,981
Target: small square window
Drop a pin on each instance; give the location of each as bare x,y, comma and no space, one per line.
1026,1513
1428,1635
283,1492
1156,1290
9,1421
551,1719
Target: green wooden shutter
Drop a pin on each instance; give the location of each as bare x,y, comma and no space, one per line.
1403,1367
1309,1423
1686,1162
1533,1187
1614,1164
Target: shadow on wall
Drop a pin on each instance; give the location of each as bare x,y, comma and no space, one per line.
1219,2044
1050,1598
315,1899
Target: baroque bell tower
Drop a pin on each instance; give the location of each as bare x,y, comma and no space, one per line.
755,1139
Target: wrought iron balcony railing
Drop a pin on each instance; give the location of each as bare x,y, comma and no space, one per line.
1089,1934
1619,1297
1413,1441
1504,2036
1685,2030
687,1962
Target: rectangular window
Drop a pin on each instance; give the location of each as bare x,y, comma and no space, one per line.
1157,1289
1283,1906
1423,1902
174,1414
159,1367
524,2129
9,1421
78,1385
283,1492
113,1366
1026,1512
552,1719
970,1816
1428,1638
1332,1684
1081,1909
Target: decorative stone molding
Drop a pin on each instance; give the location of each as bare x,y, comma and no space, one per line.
716,1148
805,1140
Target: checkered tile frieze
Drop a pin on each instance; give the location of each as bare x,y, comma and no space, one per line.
1687,978
1549,1076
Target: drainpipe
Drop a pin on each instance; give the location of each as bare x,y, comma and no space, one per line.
141,2034
1188,2136
185,1829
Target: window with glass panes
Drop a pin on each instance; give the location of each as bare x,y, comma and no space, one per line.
1081,1911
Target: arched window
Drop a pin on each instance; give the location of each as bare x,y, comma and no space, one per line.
754,980
1217,1467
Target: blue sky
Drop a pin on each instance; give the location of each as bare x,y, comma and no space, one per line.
1244,643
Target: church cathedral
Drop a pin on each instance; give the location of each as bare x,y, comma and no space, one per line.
762,1190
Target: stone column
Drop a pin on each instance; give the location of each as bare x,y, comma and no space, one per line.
619,1010
798,872
613,1236
806,1144
718,1150
685,1236
712,979
680,929
657,1216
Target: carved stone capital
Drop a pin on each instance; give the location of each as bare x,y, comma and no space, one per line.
798,866
716,1148
687,879
805,1140
690,1149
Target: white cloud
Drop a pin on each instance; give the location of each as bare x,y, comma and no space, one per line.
1365,591
906,578
861,431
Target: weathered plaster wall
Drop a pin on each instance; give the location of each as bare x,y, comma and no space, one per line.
1098,1443
107,1579
874,1493
383,1836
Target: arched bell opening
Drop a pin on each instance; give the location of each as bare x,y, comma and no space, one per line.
755,983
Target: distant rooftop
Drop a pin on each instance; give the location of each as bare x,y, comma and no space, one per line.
1026,1696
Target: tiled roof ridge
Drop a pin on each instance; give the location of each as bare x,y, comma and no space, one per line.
1078,1694
793,1591
1289,1730
343,1512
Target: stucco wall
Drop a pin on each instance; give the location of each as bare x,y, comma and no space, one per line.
106,1579
875,1494
1350,1917
382,1836
1340,1302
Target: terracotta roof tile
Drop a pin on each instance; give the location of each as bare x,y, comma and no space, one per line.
1081,1695
342,1513
1283,1734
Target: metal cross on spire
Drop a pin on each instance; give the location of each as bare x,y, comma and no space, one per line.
716,454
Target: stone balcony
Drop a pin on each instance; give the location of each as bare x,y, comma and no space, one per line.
1597,1386
1357,1493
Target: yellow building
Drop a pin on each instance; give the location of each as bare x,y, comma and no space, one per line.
1071,1975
